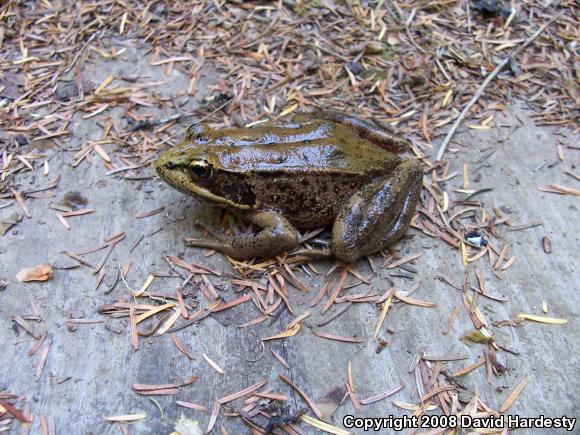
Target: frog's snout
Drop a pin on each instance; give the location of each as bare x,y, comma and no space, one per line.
170,165
159,166
163,166
166,162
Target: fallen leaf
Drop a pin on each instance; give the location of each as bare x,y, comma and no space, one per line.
127,418
288,333
42,272
319,424
513,396
185,426
542,319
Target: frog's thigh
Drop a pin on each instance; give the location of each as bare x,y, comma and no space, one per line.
277,235
378,214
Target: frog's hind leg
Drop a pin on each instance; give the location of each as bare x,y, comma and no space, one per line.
277,236
378,214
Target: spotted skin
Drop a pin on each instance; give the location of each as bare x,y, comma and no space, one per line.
310,171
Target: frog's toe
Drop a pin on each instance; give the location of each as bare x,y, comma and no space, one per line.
213,232
222,245
378,214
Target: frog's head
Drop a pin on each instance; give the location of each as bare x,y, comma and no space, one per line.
193,168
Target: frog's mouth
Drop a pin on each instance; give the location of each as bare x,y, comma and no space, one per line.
180,179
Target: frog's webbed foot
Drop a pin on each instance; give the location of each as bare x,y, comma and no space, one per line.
378,214
211,231
277,236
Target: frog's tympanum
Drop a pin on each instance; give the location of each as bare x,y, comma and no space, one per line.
307,172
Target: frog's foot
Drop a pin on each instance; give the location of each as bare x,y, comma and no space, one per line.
313,253
378,214
211,231
277,236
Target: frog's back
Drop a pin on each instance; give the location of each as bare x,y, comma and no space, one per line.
323,147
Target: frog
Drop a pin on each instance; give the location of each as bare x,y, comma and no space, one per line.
297,174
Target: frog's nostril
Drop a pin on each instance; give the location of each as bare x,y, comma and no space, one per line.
170,165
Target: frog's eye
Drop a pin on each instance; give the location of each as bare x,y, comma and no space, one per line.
200,169
196,131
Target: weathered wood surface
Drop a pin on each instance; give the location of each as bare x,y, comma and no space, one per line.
101,366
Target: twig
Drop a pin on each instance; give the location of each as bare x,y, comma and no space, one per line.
148,124
215,110
408,30
468,10
486,82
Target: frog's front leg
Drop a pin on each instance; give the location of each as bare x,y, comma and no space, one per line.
378,213
277,236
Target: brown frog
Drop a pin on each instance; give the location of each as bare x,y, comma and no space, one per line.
326,168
